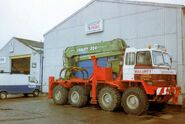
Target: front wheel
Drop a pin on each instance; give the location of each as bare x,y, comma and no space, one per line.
134,101
3,95
36,93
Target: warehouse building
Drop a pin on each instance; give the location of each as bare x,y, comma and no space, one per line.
138,23
21,60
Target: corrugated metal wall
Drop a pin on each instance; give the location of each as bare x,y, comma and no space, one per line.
139,25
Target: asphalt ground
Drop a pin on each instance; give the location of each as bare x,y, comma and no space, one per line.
40,110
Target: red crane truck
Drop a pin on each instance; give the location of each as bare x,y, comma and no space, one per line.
112,74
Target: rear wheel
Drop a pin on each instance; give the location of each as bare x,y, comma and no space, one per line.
134,101
3,95
60,95
25,95
36,93
109,98
78,96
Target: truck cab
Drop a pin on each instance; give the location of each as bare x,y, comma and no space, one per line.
152,65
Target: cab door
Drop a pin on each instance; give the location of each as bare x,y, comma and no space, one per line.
129,65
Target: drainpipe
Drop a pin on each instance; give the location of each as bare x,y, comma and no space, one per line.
182,38
41,71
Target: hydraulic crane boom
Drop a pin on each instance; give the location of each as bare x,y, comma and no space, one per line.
78,53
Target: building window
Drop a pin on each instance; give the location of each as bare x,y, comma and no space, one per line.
20,65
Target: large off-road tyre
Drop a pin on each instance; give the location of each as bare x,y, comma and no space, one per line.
36,93
78,96
109,98
60,95
3,95
134,101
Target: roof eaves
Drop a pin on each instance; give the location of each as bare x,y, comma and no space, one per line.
183,8
118,1
31,47
31,43
38,51
143,3
70,16
6,44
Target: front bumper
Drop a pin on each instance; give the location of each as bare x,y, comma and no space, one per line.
167,90
168,93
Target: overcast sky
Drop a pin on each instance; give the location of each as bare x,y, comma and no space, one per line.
32,18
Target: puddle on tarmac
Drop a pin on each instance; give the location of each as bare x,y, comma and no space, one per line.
5,109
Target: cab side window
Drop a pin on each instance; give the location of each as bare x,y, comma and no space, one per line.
130,59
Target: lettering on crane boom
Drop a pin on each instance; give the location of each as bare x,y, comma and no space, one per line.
87,49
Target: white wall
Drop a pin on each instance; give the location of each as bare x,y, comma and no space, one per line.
138,25
20,49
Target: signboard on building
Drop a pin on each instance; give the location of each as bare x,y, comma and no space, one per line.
2,60
94,27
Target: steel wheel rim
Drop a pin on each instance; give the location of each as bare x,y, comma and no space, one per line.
132,102
3,96
58,95
75,96
106,99
36,93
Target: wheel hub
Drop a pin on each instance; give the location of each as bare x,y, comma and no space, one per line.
3,96
133,102
58,95
75,97
106,99
36,93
